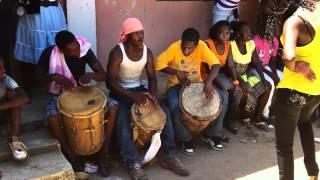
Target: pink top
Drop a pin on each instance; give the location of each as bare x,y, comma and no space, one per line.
264,48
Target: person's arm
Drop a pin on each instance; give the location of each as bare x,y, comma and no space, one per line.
257,65
291,36
42,70
152,79
15,98
98,73
162,65
231,69
214,65
113,69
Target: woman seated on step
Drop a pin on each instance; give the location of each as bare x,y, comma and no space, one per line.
255,89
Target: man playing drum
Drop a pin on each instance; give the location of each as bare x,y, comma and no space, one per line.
126,64
65,66
182,62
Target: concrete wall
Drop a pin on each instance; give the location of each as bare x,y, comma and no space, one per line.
164,21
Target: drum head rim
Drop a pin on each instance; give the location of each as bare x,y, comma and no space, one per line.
213,117
85,113
147,128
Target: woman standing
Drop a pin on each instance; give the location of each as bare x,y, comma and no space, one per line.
38,25
299,91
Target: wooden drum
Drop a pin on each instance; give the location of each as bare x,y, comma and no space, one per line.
81,113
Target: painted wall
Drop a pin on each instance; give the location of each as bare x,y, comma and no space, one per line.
163,21
82,20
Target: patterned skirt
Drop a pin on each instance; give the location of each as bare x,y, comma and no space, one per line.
35,32
257,88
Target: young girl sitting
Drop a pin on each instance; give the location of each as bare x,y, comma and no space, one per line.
266,48
219,44
255,89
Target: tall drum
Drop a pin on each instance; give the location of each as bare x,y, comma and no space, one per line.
197,112
82,117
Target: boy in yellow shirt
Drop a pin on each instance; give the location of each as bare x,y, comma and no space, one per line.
181,61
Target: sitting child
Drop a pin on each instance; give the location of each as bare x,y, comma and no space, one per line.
255,89
12,97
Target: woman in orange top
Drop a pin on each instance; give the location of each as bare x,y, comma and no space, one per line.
219,44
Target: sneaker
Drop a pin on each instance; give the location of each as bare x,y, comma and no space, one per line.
213,143
18,149
176,166
271,126
136,172
188,147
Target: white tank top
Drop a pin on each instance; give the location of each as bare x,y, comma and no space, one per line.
131,71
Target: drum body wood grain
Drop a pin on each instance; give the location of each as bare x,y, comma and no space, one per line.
82,117
197,112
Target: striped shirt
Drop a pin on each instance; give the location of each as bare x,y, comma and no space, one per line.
227,4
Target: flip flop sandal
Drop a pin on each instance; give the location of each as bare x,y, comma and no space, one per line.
262,126
18,149
246,122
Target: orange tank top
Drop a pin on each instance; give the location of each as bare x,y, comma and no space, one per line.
221,57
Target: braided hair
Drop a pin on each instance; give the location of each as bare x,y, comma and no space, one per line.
287,11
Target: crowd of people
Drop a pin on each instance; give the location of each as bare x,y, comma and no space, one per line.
261,82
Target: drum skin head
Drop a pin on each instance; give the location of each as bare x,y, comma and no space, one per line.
82,100
150,117
194,102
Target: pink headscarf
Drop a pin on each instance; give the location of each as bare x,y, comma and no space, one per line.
130,25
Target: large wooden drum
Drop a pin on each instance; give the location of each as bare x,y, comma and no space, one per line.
146,121
197,112
82,116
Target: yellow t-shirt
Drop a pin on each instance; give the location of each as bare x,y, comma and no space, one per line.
242,58
174,58
309,53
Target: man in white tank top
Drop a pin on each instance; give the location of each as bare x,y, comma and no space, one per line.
126,63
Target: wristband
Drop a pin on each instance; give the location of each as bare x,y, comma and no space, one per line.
235,82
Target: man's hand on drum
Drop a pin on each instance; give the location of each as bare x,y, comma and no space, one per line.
208,90
63,81
85,79
183,78
152,98
142,98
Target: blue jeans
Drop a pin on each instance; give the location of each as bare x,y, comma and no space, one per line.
217,125
182,134
233,99
129,152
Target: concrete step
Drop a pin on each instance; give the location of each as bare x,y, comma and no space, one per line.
39,141
47,166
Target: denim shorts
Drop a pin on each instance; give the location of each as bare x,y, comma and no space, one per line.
52,109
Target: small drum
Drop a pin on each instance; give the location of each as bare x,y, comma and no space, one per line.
146,120
198,112
82,116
